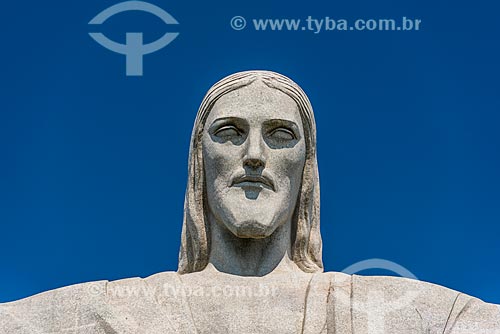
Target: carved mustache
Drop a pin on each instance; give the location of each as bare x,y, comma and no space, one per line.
265,181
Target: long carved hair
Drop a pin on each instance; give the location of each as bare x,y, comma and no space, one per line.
306,238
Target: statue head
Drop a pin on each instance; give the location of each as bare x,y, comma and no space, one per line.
253,168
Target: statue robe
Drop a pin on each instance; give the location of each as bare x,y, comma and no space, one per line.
333,303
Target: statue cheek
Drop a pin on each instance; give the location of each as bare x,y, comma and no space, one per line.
291,161
220,157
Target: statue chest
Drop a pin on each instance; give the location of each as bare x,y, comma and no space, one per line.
247,306
231,312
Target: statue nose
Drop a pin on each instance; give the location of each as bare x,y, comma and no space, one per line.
254,155
254,163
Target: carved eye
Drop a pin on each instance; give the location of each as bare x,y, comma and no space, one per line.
282,134
227,132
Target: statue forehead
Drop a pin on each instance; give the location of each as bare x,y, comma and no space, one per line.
257,101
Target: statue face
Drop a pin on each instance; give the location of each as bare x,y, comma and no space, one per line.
254,153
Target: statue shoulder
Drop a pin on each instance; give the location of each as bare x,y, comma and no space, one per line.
52,310
408,304
93,307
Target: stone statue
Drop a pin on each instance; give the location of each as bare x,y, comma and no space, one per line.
250,258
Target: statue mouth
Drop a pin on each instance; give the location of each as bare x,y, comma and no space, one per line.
253,181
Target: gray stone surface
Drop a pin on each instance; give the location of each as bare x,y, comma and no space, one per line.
250,258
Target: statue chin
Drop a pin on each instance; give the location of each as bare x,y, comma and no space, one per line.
246,221
251,229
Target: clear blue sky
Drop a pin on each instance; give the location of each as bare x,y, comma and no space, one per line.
93,163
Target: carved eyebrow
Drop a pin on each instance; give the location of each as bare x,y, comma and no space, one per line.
277,123
219,122
270,124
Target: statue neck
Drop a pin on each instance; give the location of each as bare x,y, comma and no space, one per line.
250,257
